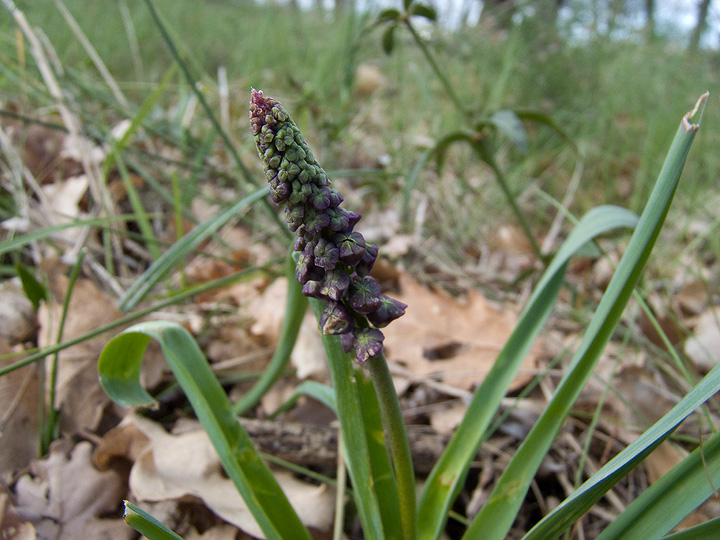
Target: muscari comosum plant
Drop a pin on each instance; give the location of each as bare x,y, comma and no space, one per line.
333,262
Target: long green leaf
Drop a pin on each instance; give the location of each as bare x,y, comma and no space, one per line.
669,500
575,506
355,444
383,477
448,475
119,369
183,248
6,246
496,517
146,524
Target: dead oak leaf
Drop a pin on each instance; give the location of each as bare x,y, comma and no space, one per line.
455,341
65,496
171,467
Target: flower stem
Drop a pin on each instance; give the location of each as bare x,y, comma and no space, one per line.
488,158
394,424
436,68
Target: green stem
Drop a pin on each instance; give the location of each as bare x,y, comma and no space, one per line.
488,158
394,424
436,68
295,307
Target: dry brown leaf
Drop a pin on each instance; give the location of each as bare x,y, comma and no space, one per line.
446,419
268,310
19,398
662,459
64,496
11,526
692,298
703,347
175,466
218,532
455,341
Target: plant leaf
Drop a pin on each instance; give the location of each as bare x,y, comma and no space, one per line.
386,15
388,39
509,124
575,506
546,119
119,368
422,10
34,290
704,531
355,444
446,478
671,498
496,517
146,524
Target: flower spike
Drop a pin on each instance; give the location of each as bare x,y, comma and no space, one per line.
335,261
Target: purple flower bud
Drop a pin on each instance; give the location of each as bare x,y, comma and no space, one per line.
335,283
389,310
312,289
301,239
316,221
326,254
364,267
336,319
336,197
367,343
339,219
294,216
305,268
364,295
351,246
280,194
320,197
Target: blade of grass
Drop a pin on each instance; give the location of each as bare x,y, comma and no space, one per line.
132,317
575,506
447,477
496,517
671,498
92,53
13,244
146,524
51,427
143,221
209,112
119,370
